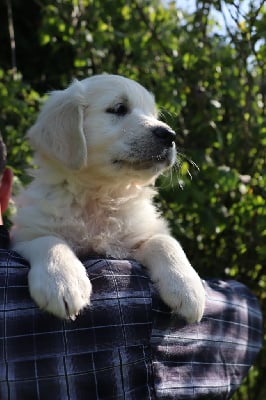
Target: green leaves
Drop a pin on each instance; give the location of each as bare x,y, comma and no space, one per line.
19,104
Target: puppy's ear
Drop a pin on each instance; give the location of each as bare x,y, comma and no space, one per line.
58,131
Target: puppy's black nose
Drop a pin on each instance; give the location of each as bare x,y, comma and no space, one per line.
165,135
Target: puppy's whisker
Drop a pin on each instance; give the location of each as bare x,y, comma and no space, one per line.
165,114
179,171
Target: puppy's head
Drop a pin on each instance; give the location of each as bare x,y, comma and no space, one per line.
107,124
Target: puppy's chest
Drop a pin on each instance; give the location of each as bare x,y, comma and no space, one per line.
104,232
105,224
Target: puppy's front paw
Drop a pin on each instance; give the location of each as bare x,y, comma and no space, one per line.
179,285
184,295
63,291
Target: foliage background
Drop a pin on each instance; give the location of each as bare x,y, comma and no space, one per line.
210,85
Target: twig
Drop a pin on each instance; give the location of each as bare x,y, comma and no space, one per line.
11,37
152,29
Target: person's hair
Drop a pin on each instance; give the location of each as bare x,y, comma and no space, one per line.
2,155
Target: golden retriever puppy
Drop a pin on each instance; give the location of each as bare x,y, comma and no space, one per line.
99,147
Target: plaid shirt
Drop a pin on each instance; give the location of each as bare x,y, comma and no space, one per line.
127,344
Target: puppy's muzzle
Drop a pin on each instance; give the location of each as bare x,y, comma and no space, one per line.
157,153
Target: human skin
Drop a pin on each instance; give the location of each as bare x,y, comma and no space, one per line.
5,191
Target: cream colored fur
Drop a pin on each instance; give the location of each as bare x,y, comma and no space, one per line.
99,148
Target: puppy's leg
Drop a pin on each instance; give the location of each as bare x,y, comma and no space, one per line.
58,282
178,284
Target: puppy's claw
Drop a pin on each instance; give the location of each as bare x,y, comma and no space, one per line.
67,312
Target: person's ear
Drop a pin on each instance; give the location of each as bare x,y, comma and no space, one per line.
5,188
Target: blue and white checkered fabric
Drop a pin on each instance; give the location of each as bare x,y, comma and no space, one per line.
127,344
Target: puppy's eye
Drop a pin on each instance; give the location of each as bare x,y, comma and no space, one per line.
119,109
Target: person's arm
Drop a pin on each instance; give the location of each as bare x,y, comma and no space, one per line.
207,360
5,193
